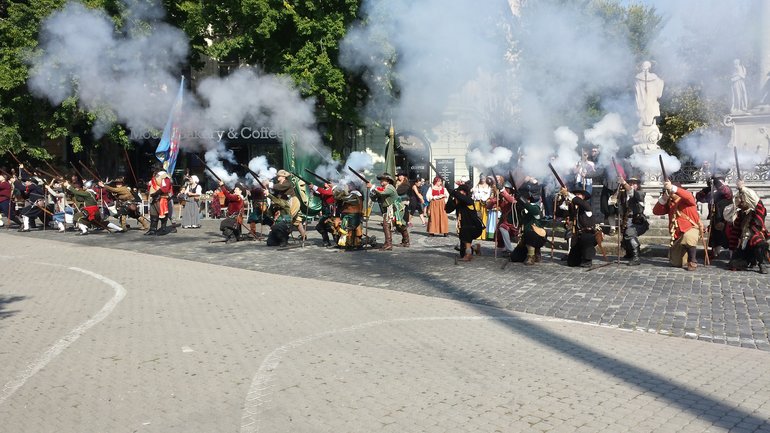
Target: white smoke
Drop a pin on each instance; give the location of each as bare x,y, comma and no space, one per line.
214,159
650,163
128,73
485,156
132,75
605,134
260,166
567,155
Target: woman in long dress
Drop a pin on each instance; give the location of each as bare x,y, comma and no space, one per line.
480,195
191,218
438,223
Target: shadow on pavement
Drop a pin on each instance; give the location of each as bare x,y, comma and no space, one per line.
708,408
4,301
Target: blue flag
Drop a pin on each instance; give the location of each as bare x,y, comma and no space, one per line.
168,148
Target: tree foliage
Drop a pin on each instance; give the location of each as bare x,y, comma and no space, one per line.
298,38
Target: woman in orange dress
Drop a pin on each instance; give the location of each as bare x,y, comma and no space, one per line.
438,223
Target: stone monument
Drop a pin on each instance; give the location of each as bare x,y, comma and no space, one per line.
648,90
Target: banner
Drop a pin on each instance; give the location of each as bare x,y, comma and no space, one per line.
168,148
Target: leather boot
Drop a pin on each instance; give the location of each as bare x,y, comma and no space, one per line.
530,261
388,245
153,226
404,236
143,221
634,259
253,230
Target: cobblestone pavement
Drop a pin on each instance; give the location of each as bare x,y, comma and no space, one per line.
107,340
711,304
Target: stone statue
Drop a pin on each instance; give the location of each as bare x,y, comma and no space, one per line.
649,88
738,78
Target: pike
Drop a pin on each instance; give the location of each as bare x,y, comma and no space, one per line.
737,165
324,180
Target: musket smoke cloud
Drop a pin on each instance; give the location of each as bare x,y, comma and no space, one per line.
134,74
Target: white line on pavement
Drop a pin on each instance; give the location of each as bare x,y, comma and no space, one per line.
120,292
260,389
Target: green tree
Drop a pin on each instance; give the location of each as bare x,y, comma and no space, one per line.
299,39
27,122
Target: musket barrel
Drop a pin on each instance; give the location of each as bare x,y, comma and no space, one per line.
663,168
737,165
359,175
206,166
322,179
558,178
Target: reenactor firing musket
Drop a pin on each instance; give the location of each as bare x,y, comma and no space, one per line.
706,261
366,199
622,219
598,234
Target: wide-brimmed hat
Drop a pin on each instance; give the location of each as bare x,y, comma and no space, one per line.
464,187
583,192
633,180
117,180
283,173
30,179
386,176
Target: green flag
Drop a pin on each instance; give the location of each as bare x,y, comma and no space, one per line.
296,161
390,151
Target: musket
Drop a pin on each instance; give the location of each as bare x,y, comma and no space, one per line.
54,170
621,218
322,179
80,175
497,185
130,167
307,182
558,178
737,165
206,166
88,169
254,174
361,176
513,183
663,168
